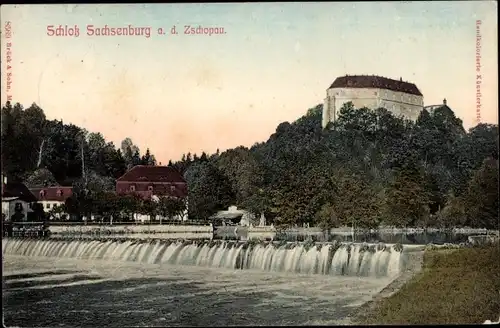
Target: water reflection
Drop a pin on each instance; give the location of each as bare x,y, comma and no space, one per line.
412,238
390,238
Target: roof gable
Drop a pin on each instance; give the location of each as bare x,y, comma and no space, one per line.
17,189
372,81
148,173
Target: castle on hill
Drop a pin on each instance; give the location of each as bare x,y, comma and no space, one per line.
397,96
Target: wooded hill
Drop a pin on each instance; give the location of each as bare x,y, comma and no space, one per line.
368,168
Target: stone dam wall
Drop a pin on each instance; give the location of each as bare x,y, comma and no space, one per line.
153,230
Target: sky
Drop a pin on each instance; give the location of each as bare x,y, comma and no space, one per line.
192,93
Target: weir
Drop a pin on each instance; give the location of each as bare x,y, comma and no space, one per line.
327,258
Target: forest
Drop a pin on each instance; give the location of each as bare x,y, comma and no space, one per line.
367,169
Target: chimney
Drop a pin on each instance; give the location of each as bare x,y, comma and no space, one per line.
401,79
444,101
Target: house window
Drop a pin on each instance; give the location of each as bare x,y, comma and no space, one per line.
172,188
59,193
132,188
47,205
150,188
42,193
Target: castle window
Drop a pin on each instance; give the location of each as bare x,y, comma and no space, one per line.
375,93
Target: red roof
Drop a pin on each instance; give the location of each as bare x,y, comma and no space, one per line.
52,193
148,173
372,81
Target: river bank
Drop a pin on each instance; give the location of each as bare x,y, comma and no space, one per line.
452,286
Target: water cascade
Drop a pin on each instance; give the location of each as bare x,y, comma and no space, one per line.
308,258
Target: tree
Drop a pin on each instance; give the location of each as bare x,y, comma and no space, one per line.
372,167
481,198
406,200
38,214
355,202
209,190
108,205
242,170
204,157
136,159
170,207
149,207
128,149
58,212
41,178
327,218
129,205
74,207
453,214
148,159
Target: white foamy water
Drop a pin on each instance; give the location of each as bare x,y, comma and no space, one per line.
164,294
324,259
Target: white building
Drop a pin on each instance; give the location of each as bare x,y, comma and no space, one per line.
397,96
11,205
50,197
16,200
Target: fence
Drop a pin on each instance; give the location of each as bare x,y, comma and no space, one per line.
118,223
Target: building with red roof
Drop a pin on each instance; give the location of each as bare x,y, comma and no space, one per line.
152,182
51,197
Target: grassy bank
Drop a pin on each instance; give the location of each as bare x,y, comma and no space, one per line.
454,287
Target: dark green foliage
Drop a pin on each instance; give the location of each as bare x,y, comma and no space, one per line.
209,190
366,169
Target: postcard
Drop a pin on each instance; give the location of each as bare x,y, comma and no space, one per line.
226,164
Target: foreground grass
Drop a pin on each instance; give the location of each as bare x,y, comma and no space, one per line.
454,287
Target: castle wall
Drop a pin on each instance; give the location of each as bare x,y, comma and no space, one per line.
399,103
